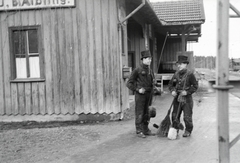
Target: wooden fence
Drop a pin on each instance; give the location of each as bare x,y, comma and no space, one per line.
205,62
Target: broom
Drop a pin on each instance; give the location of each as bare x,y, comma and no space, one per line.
166,124
175,126
169,128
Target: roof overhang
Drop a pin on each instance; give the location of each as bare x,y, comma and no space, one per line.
192,31
146,12
181,17
174,28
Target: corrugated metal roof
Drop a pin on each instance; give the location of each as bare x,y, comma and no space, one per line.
180,12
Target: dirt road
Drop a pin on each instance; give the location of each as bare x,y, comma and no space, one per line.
116,142
201,147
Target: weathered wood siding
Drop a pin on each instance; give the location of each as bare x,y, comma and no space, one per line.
136,42
139,40
172,46
82,71
169,55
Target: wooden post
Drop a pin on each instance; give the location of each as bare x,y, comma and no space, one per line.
222,81
123,52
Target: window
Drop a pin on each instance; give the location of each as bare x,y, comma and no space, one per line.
26,56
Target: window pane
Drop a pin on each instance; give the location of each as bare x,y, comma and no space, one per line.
21,67
25,50
33,41
19,42
34,67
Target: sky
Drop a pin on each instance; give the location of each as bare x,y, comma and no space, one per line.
206,46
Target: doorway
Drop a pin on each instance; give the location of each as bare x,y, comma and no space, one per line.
132,64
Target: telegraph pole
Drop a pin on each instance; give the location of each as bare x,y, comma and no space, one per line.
222,78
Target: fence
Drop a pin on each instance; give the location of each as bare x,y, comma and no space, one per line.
205,62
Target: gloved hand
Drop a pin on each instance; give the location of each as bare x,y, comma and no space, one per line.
174,93
183,93
141,91
182,99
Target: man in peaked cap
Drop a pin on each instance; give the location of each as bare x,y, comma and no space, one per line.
141,82
182,85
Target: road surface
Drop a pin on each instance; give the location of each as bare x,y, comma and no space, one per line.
116,142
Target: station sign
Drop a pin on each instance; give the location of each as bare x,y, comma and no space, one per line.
34,4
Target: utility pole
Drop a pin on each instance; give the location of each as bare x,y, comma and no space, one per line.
222,78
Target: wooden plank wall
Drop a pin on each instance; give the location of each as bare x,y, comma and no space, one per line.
169,55
82,71
136,41
172,46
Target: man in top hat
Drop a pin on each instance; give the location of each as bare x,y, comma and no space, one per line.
182,85
141,82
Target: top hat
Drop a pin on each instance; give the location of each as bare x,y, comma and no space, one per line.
182,59
145,54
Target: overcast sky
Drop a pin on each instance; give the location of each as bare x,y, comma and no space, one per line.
207,42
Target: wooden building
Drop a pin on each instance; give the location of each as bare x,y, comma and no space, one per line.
68,60
181,21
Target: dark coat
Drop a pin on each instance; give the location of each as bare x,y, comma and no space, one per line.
177,83
141,77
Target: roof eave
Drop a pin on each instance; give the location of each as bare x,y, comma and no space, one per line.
174,23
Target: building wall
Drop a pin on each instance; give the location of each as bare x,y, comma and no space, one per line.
136,41
139,40
169,54
81,61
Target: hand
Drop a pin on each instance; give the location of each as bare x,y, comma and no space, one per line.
184,93
174,93
141,91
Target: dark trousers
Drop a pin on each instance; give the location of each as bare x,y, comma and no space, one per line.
187,109
142,102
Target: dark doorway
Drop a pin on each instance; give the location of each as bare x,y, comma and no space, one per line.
131,63
131,59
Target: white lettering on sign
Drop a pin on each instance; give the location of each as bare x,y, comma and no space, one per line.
32,4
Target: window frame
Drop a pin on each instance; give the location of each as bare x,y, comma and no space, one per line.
13,71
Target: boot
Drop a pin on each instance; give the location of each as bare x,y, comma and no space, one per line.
147,131
186,134
141,135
